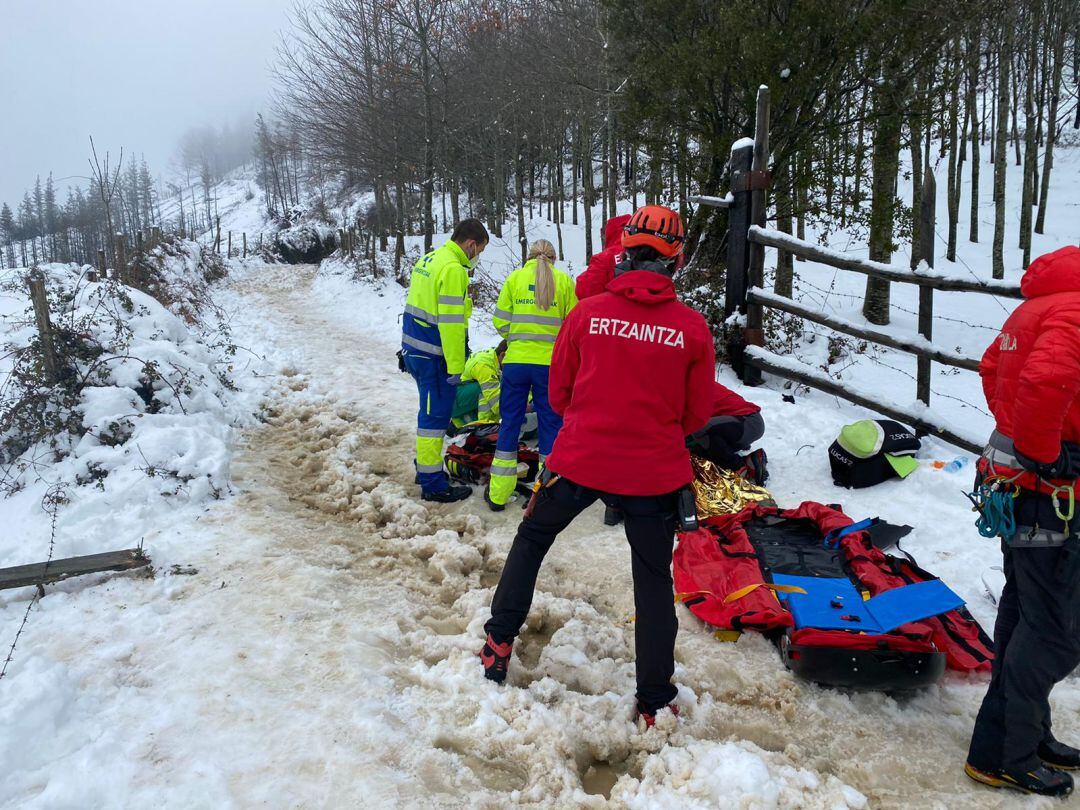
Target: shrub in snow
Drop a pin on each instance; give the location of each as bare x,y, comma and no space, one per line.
178,273
140,390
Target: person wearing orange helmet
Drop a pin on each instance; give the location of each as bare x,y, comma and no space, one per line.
632,361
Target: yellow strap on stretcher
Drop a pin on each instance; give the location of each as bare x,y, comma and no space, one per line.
739,594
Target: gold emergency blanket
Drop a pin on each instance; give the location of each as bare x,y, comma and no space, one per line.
722,492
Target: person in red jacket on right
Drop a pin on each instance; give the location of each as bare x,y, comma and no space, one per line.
1031,378
601,268
632,375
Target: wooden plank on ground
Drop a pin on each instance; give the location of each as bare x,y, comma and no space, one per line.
21,576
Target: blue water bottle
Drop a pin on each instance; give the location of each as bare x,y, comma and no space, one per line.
956,464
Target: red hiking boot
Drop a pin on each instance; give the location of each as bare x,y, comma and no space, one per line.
495,657
650,717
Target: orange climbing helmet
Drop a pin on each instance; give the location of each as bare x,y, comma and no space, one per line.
657,227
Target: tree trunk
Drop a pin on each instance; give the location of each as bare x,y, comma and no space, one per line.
954,165
613,161
1001,145
888,107
519,189
915,127
1051,127
1030,145
785,266
976,156
587,179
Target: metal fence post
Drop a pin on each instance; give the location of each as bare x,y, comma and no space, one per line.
738,256
928,219
759,182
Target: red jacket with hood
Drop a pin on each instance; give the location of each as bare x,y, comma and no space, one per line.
1031,372
632,375
601,267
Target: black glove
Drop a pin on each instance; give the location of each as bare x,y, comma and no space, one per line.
1066,465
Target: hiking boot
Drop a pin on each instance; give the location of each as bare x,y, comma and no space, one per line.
495,657
612,516
452,494
494,507
755,467
1055,754
650,717
1041,781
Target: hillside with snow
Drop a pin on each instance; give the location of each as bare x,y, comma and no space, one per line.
308,636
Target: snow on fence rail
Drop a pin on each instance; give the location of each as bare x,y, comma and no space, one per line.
924,276
918,416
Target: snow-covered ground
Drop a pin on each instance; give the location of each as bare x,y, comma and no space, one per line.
323,651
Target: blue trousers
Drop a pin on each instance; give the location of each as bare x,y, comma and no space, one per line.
518,381
433,418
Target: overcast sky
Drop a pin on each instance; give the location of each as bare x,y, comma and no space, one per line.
132,73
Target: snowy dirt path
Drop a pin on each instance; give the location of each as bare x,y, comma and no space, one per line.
324,655
402,589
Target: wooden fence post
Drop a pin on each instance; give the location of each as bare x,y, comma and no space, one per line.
759,183
228,250
44,325
928,219
103,271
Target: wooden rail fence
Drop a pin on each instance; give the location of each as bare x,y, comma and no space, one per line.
745,294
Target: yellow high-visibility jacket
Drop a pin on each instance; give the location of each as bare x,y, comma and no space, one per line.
436,320
529,330
484,368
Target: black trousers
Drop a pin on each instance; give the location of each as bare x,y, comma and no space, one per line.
650,530
1036,644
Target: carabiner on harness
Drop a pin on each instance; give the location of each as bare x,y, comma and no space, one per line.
1070,490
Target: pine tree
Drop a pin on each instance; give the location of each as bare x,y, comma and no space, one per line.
7,233
51,216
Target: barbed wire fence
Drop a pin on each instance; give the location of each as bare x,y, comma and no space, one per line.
54,498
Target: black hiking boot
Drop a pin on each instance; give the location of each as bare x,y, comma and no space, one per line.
494,507
495,657
1055,754
612,516
452,494
1041,781
755,467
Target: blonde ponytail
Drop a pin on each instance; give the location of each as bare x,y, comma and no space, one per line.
544,252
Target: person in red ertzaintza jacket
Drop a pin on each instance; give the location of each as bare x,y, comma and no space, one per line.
1031,378
632,375
601,268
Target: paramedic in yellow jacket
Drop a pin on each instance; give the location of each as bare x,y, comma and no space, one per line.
532,305
434,332
485,369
